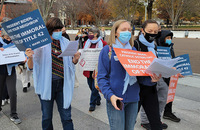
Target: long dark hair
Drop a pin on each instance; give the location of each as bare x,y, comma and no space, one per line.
53,24
145,24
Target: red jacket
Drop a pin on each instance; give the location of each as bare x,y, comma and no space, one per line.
87,73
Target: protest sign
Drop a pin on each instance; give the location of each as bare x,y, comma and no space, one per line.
184,65
134,62
163,53
28,31
11,55
172,88
89,58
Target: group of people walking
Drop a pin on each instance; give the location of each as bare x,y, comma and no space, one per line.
125,95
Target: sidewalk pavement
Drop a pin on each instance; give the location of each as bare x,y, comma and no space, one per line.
188,110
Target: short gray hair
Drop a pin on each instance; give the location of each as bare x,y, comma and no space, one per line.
94,30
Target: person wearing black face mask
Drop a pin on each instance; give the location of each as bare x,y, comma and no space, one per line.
8,78
148,91
7,41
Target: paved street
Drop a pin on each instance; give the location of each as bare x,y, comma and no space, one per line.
186,104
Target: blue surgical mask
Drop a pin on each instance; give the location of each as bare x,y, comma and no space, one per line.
168,41
57,35
124,36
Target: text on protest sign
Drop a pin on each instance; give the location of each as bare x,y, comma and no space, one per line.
184,65
163,53
28,31
89,59
172,88
134,62
11,55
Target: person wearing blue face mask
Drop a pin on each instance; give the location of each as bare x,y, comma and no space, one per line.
120,90
54,76
166,41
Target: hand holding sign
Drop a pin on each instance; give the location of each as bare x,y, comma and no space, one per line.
1,48
28,31
29,52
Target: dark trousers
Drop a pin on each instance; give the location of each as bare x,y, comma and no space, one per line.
47,108
5,93
149,101
94,92
10,82
168,108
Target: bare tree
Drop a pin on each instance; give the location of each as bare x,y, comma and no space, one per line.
175,8
1,7
71,8
123,8
44,7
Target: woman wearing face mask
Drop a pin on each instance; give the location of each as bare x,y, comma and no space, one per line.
94,41
53,76
120,90
148,92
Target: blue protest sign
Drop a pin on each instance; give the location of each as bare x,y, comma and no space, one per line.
28,31
184,65
164,52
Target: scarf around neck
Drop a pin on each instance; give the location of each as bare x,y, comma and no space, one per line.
149,45
98,42
128,80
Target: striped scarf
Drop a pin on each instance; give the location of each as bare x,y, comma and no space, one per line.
57,63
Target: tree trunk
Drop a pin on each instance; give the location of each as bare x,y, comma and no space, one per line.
149,8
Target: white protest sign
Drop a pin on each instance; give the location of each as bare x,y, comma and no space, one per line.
89,58
11,55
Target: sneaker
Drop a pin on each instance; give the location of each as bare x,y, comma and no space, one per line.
146,126
25,89
91,109
171,116
98,103
29,84
8,101
15,119
3,102
164,126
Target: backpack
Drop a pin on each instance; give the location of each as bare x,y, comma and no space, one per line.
96,71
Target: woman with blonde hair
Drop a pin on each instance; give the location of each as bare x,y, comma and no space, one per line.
115,83
119,88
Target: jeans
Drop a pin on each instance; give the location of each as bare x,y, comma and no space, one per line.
122,120
47,108
94,92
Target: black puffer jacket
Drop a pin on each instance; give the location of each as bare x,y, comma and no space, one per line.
164,34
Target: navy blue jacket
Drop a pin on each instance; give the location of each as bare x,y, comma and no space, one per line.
111,76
